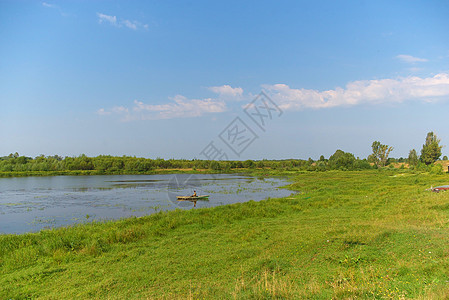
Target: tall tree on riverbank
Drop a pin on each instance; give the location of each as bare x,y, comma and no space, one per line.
431,150
380,154
412,158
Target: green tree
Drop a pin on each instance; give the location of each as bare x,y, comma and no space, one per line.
431,150
342,160
445,157
380,153
412,158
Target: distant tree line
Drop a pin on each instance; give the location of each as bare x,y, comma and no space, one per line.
129,164
107,164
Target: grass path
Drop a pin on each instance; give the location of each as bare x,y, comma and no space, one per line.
369,234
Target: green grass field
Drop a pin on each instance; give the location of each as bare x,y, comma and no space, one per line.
345,235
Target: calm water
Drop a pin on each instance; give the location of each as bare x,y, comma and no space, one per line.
29,204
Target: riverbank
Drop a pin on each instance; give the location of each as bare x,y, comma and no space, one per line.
367,234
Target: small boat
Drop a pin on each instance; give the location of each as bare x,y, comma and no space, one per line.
193,198
440,188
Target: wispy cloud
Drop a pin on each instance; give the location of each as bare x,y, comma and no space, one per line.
105,18
103,112
363,92
48,5
410,59
129,24
55,7
179,107
114,21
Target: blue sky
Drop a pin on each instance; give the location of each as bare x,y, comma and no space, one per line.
165,78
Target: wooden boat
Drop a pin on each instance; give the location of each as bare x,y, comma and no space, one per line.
440,188
193,198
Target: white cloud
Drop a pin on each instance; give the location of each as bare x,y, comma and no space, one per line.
180,107
410,59
110,19
113,20
372,92
119,109
129,24
103,112
57,8
227,90
362,92
47,4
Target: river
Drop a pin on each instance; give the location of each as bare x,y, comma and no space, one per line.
30,204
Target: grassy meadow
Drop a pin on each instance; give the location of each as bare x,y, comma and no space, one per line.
375,234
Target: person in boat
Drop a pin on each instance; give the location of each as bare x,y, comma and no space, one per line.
194,194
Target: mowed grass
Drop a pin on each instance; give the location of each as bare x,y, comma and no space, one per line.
345,235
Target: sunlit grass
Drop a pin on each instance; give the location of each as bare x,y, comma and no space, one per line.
345,235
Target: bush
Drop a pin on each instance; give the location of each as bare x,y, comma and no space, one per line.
320,166
436,169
